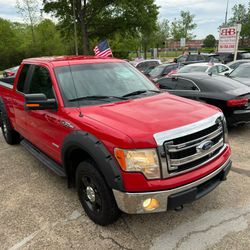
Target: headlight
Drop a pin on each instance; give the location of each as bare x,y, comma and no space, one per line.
141,160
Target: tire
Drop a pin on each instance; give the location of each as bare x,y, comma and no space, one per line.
95,196
9,134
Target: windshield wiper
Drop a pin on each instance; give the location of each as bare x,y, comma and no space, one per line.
96,98
138,92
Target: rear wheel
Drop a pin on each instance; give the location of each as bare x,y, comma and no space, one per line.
95,196
9,134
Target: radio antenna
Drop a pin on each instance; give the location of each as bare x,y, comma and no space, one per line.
78,102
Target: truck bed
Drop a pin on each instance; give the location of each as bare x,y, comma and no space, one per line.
7,82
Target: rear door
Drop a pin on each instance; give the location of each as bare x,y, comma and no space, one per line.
18,99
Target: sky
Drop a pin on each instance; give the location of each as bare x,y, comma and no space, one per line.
209,14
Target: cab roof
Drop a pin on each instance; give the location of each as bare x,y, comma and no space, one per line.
66,60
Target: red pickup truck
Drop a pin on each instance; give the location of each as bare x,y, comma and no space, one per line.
121,142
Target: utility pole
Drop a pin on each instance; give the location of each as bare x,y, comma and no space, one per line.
75,32
226,13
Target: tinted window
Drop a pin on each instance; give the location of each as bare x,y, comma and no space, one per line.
193,58
184,84
213,70
22,77
222,68
41,82
182,59
168,69
167,83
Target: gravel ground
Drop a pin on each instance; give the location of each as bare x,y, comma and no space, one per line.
39,212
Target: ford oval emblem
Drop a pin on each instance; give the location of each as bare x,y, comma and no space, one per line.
204,146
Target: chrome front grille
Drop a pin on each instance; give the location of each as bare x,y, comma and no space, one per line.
191,146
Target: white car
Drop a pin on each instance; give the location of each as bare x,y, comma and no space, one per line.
212,68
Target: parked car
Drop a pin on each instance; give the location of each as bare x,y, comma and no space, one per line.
10,72
235,64
195,58
213,68
229,57
114,136
232,97
163,70
145,65
242,74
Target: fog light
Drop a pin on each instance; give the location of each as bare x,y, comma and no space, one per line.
150,204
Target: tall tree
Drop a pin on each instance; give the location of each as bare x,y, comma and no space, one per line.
184,26
29,9
209,41
163,33
240,14
103,18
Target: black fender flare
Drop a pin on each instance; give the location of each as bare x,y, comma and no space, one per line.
105,162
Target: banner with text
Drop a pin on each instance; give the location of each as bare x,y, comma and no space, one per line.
227,40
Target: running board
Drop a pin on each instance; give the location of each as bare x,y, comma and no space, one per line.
52,165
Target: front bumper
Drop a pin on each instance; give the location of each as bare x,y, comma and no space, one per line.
132,203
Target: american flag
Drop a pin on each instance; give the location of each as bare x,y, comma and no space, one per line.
103,49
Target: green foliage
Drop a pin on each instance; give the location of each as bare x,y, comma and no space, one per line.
209,41
184,26
162,33
8,43
16,42
240,14
99,19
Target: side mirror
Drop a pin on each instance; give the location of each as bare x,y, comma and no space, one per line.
227,74
39,102
175,60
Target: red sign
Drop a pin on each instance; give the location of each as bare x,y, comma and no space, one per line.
227,39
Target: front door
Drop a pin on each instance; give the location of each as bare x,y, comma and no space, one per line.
43,126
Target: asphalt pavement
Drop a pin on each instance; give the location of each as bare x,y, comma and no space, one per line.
37,211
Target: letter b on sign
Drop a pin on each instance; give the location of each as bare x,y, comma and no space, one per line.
228,32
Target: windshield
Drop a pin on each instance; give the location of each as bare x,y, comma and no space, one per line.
242,71
101,79
157,71
189,69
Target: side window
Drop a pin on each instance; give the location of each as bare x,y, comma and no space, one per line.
167,70
222,69
213,70
201,58
22,77
181,59
141,66
184,84
192,58
167,83
41,82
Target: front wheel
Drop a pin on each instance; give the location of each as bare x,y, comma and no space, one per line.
95,196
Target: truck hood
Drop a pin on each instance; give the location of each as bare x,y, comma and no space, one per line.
141,118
